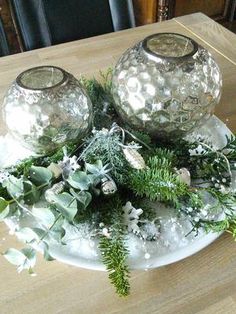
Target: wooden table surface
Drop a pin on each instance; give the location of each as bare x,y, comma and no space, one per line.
203,283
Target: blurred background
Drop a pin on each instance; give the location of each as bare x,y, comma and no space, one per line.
145,11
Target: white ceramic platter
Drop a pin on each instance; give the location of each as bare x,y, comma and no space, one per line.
172,245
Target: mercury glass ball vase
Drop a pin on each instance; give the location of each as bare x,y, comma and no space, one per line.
45,108
166,85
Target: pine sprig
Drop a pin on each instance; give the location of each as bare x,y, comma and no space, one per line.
228,225
113,250
158,181
99,91
114,256
106,147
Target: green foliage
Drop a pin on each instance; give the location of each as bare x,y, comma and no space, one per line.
23,167
211,165
40,175
228,225
113,250
141,136
230,148
114,255
80,200
106,146
79,180
14,186
158,181
83,198
4,208
99,92
31,193
23,259
66,204
44,215
27,235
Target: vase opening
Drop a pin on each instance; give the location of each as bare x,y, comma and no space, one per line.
41,78
170,45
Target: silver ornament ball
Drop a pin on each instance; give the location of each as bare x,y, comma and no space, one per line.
108,187
45,108
166,85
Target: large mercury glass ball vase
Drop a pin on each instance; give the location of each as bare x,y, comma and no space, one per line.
45,108
166,85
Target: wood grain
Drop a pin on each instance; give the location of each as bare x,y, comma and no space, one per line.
203,283
209,7
223,40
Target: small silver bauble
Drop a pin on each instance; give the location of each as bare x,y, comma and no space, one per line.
47,107
166,85
108,187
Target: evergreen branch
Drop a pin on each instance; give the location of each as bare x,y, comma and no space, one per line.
113,250
100,94
228,225
114,255
106,147
158,181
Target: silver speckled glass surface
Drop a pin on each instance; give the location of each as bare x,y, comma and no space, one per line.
170,45
45,108
40,78
166,85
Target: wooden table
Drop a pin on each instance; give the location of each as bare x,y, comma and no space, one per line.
203,283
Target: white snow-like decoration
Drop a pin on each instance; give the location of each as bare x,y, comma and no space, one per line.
199,150
131,217
12,151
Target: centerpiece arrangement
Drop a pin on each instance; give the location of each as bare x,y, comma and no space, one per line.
147,168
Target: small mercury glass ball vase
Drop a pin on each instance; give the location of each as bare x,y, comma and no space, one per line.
45,108
166,85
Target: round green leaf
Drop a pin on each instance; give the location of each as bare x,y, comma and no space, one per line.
40,175
79,180
14,256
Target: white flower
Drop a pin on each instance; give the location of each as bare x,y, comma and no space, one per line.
68,165
131,217
199,150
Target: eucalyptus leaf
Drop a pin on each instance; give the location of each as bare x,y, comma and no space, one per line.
45,215
94,179
23,259
83,197
71,233
14,186
40,175
95,168
30,255
4,209
46,253
31,193
66,204
27,234
79,180
40,232
57,233
14,256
